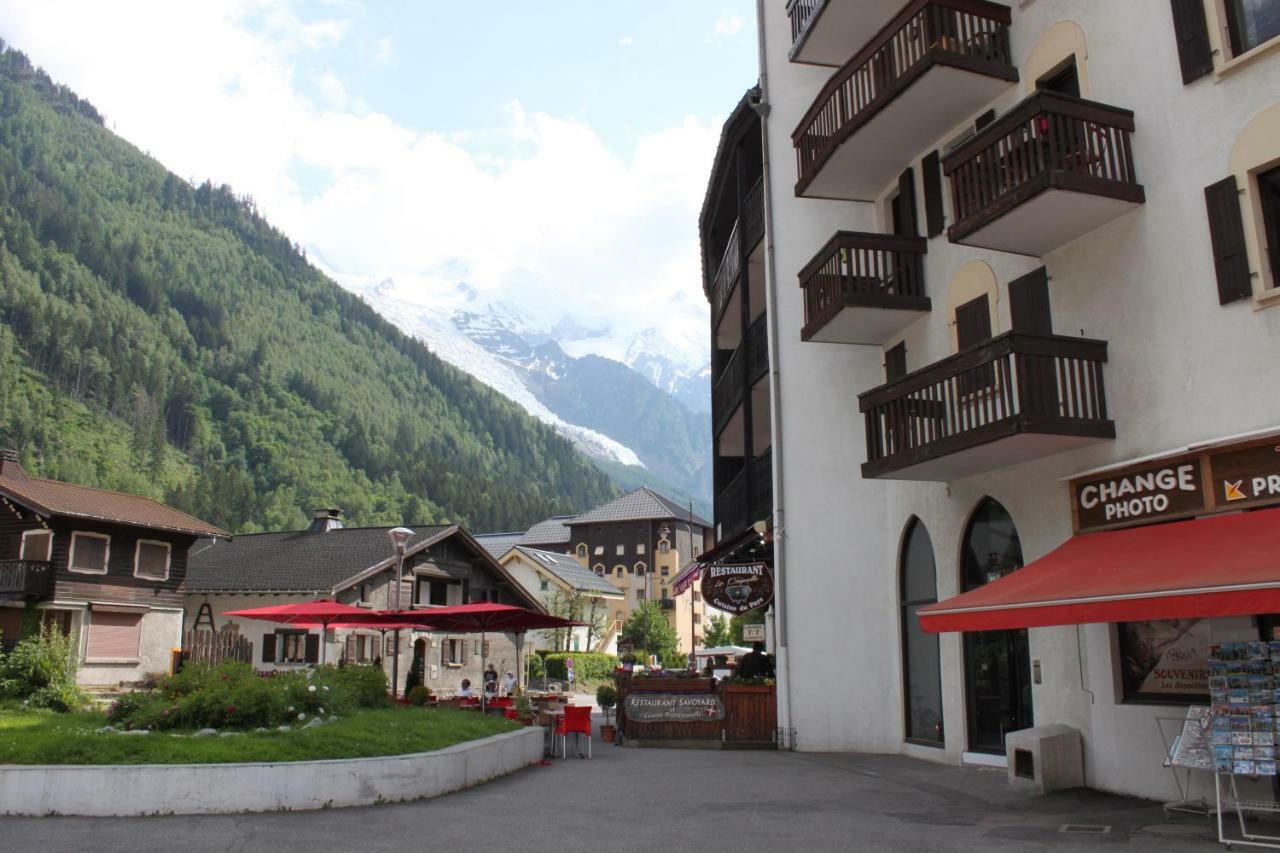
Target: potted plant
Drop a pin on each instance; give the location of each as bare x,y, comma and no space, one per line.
524,708
606,698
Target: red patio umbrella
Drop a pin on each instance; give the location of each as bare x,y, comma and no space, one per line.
323,613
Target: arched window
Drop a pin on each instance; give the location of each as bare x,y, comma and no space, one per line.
664,547
921,669
600,569
997,663
618,570
582,550
640,568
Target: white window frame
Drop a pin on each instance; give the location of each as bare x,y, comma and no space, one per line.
71,553
640,550
664,547
137,555
622,549
22,546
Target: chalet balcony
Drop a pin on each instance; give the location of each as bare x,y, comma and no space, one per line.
747,498
25,579
1014,398
748,364
863,288
932,67
825,32
749,229
1052,169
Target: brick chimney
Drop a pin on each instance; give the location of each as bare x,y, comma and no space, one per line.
325,519
9,465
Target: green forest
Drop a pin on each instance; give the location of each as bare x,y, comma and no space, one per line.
165,339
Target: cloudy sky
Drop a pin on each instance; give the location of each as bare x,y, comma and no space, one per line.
552,154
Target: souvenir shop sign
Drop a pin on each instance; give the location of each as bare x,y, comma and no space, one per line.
737,588
1223,479
674,707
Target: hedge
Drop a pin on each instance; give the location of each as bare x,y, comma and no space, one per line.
586,665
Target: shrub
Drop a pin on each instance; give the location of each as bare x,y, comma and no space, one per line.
418,695
606,697
40,672
587,666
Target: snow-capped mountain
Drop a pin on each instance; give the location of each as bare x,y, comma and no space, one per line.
679,368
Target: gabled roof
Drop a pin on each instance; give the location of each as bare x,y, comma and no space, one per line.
56,498
553,531
498,544
570,571
642,504
296,561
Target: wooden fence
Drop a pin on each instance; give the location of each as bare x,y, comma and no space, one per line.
214,648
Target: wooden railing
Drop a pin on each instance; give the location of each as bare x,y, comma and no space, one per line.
1045,138
757,343
753,215
749,228
727,393
968,34
747,498
801,13
854,268
1015,382
26,578
760,487
731,505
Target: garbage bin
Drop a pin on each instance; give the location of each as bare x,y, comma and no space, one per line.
1045,758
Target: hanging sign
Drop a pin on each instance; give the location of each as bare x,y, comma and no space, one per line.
674,707
753,633
737,588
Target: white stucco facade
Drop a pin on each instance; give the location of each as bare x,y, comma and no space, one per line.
1182,369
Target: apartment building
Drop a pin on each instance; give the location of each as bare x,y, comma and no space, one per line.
1015,272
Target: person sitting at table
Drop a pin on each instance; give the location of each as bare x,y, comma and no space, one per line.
490,680
466,692
508,683
755,663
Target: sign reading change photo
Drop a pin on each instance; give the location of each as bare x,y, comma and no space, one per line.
737,588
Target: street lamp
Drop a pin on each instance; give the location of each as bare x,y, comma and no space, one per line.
400,537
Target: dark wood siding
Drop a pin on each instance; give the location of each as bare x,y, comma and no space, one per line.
119,585
13,522
1226,234
1029,303
1191,30
934,217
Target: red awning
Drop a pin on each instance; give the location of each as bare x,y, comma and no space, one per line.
1227,565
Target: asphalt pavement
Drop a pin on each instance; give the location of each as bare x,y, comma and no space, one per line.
632,799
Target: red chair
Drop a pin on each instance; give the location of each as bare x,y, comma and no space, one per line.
510,713
576,721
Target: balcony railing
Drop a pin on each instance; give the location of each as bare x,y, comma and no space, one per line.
747,498
749,228
1012,385
970,35
801,13
860,271
26,578
727,393
760,487
757,349
1049,141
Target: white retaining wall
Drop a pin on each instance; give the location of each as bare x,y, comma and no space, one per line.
128,790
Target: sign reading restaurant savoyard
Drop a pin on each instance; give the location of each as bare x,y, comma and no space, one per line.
674,707
1219,479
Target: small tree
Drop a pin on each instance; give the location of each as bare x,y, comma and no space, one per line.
578,607
648,631
719,632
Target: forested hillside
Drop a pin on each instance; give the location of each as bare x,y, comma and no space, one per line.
166,340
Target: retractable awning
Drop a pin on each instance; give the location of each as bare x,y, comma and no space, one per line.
1227,565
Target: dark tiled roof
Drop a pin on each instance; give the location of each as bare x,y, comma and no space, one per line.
553,531
643,504
498,544
570,571
53,497
294,561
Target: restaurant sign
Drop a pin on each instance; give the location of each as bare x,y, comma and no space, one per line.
1222,479
674,707
737,587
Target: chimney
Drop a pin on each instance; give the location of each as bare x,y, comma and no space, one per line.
324,520
9,465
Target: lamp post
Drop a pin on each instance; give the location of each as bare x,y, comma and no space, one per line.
400,537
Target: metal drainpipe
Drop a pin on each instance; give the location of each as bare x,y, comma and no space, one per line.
782,661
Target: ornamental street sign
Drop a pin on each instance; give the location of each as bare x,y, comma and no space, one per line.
737,588
674,707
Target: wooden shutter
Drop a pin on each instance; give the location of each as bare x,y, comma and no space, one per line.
152,560
444,653
1192,33
934,218
269,648
462,652
1029,303
973,322
895,362
906,207
983,120
312,653
1226,235
350,652
113,636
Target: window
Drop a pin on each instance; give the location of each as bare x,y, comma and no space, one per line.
151,560
89,553
640,568
666,570
362,593
482,650
640,549
113,635
697,597
622,549
662,593
600,569
1252,22
921,667
582,551
37,545
1269,199
639,595
291,646
455,652
1064,80
439,594
664,547
697,618
1150,652
618,571
599,550
543,583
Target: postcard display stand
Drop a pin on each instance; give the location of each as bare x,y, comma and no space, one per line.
1242,731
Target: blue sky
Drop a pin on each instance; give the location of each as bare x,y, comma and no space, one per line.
551,154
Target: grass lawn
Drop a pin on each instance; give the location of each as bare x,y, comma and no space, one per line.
44,738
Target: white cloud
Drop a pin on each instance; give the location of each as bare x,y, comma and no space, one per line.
380,54
728,24
540,211
626,41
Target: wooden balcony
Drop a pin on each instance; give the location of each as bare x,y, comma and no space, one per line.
747,498
1014,398
932,67
747,366
26,579
863,288
748,228
1049,171
827,32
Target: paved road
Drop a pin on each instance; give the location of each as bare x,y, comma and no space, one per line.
669,800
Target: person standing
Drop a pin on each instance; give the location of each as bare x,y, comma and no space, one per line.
755,663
